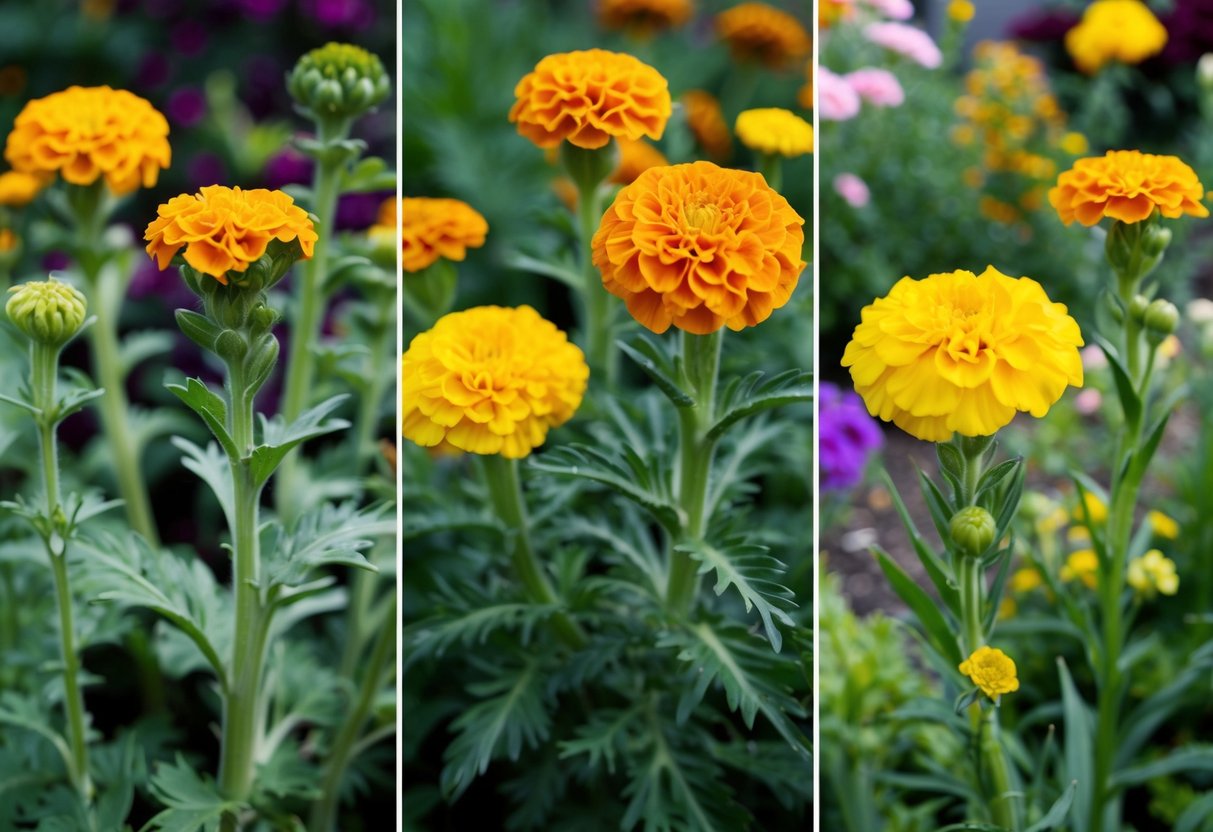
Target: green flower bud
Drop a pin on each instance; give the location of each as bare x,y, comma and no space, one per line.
339,81
1137,308
1154,240
1160,320
51,312
972,530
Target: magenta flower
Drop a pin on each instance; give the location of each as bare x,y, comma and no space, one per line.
848,436
878,87
853,189
837,99
893,9
909,41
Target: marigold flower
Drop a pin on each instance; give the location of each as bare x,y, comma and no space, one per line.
761,32
960,353
991,670
18,189
435,228
588,97
226,229
50,311
707,123
384,228
87,133
1082,565
962,11
1115,30
338,80
1153,573
8,241
1162,525
699,247
1127,185
1025,580
774,130
644,15
490,380
634,159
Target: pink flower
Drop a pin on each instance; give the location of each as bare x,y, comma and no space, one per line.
914,43
1088,401
1093,358
836,99
853,189
894,9
877,86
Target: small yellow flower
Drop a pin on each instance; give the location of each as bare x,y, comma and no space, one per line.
991,670
1124,31
961,11
1074,143
1153,573
1082,565
775,131
1007,609
1163,526
18,189
1025,580
1093,510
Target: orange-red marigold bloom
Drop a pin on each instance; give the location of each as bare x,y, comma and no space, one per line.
644,15
1127,185
700,246
762,32
707,123
589,97
435,228
225,229
87,133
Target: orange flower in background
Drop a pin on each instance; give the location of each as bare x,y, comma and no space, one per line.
88,133
490,380
644,15
589,97
700,247
805,96
385,226
435,228
707,123
830,12
8,240
1127,185
634,159
225,229
18,189
756,31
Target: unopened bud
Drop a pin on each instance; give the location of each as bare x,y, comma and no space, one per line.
49,311
1160,320
1138,307
972,530
338,80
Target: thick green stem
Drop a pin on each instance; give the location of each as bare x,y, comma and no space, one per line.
971,603
505,491
599,303
770,165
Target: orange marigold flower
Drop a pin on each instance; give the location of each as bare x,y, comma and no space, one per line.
18,189
775,131
490,380
87,133
226,229
762,32
8,240
1127,185
707,123
634,159
435,228
699,247
644,15
588,97
385,225
805,96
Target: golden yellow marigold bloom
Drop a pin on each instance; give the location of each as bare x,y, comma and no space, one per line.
1125,31
962,11
1127,185
385,225
1162,525
435,228
957,352
700,247
589,97
1082,565
756,31
1153,573
226,229
991,670
490,380
88,133
776,131
1074,143
644,15
18,189
634,159
707,123
1025,580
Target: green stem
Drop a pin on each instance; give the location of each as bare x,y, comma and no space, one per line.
599,303
382,341
770,165
971,603
362,592
505,491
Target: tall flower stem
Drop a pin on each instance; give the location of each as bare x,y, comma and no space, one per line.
599,303
383,338
505,491
701,366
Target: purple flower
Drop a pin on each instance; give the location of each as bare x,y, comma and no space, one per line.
261,9
358,211
187,106
290,167
352,14
848,436
152,72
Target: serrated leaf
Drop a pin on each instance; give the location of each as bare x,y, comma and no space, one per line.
434,635
194,803
754,395
212,467
328,535
211,407
655,363
631,477
279,439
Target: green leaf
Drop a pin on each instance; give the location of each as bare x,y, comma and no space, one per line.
633,477
1077,743
368,175
1057,813
1193,818
562,270
604,736
279,439
326,536
212,467
1140,724
138,347
752,395
194,803
941,636
211,407
287,774
651,357
1188,760
436,634
199,329
1130,403
936,570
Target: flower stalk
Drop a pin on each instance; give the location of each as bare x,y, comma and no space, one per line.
588,169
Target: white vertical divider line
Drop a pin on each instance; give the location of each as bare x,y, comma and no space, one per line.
399,415
815,493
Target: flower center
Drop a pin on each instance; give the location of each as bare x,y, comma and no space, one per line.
702,217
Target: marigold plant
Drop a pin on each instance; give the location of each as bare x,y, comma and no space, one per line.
991,670
776,131
644,15
707,123
1129,186
756,31
634,159
438,228
1123,31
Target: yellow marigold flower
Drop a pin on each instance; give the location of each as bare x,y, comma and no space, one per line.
1153,573
699,247
588,97
761,32
775,130
956,352
88,133
1082,565
644,15
226,229
490,380
634,159
1115,30
1162,525
962,11
18,189
707,123
1127,185
435,228
991,670
1026,579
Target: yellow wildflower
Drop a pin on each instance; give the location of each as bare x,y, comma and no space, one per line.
1153,573
991,670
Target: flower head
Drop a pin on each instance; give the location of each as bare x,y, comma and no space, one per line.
1025,580
224,230
50,311
707,123
490,380
1162,525
589,97
878,87
644,16
435,228
837,99
1082,565
1091,509
957,352
1152,574
776,131
634,159
699,247
906,40
852,189
848,436
18,189
961,11
1115,30
88,133
756,31
1127,185
338,80
991,670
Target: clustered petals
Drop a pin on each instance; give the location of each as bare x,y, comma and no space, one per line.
1123,31
961,353
490,380
707,123
991,670
764,33
439,228
644,15
1127,185
700,247
775,131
